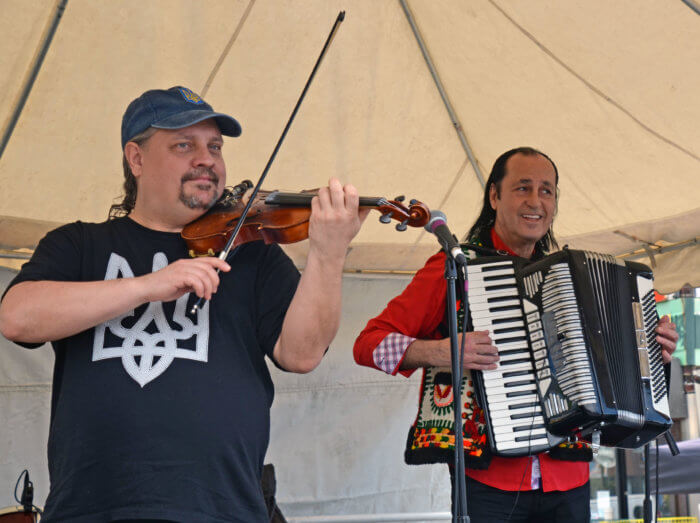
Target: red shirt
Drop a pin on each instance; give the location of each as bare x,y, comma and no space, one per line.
417,312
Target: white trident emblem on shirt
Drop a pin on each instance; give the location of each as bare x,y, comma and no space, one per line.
145,356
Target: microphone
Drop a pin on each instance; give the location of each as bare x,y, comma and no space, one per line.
438,226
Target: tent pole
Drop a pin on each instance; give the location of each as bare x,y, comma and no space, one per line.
693,5
633,255
29,81
433,72
226,50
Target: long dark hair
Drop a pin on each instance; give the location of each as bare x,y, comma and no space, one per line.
123,208
488,215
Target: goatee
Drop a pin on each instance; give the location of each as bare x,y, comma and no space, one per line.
193,201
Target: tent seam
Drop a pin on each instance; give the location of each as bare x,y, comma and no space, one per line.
592,87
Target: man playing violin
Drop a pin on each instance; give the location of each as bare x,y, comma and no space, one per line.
157,414
519,204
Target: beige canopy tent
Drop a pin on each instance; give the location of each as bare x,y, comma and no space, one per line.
415,97
608,89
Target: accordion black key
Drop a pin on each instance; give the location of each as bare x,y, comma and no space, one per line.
578,352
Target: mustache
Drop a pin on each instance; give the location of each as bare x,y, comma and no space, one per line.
197,173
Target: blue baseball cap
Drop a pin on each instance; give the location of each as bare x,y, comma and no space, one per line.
172,108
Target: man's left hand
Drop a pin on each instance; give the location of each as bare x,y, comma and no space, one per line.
667,336
335,220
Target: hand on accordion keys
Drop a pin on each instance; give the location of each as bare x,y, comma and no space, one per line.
479,351
667,337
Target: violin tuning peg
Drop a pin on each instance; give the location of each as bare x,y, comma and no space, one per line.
400,198
402,226
413,201
385,218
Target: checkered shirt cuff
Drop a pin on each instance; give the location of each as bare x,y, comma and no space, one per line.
389,353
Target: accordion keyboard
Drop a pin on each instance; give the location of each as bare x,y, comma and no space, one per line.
510,397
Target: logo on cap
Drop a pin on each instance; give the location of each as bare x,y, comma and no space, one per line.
190,96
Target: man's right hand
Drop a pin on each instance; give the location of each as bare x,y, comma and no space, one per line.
39,311
197,275
479,352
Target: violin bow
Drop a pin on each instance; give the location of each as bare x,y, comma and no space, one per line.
225,252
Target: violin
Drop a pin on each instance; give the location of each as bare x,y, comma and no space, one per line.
279,217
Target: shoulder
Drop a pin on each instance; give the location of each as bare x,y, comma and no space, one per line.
428,276
72,241
70,232
81,228
435,262
79,231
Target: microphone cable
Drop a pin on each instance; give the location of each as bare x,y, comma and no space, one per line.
522,479
27,500
657,509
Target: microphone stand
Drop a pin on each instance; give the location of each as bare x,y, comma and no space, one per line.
459,508
648,510
673,447
649,516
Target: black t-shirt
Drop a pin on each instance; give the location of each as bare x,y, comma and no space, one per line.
158,414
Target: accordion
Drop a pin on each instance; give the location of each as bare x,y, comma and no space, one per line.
578,352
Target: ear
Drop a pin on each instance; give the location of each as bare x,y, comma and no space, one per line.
493,196
133,155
